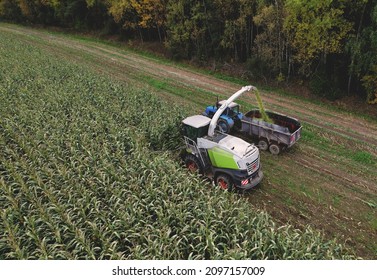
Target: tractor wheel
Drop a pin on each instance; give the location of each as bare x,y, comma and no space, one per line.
274,149
224,182
263,145
193,164
223,126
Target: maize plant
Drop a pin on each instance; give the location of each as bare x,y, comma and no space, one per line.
87,172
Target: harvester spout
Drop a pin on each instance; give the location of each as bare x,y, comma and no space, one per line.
215,118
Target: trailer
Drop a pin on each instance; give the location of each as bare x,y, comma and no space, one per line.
275,137
283,131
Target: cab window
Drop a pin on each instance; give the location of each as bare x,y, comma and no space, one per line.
236,109
193,133
190,132
203,131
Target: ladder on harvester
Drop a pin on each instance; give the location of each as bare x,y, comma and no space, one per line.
193,149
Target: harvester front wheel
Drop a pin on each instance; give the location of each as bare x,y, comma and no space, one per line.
224,182
193,164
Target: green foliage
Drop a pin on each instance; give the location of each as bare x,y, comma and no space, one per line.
370,84
36,11
315,29
80,177
9,10
136,15
188,29
202,29
79,14
179,29
363,157
270,43
362,48
277,39
323,85
236,32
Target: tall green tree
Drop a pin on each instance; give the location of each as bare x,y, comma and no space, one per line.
37,11
236,34
152,14
362,48
315,29
270,45
124,13
314,39
188,28
139,14
10,10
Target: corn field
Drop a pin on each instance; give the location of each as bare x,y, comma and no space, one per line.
88,171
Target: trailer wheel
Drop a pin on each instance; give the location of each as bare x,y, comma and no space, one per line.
223,126
263,145
274,149
193,164
224,182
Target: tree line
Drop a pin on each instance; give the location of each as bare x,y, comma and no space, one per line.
331,44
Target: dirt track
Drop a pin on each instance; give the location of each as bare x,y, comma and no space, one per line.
324,188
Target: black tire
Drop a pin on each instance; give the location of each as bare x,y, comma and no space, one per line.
223,126
274,149
193,164
224,182
263,144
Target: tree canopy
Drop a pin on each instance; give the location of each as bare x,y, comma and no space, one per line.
332,44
